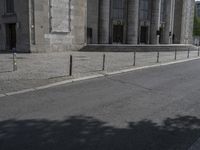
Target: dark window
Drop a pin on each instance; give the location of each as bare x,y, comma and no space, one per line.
144,9
11,36
198,10
163,10
9,6
144,35
118,9
89,35
118,34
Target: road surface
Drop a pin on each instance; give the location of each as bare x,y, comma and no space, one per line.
151,109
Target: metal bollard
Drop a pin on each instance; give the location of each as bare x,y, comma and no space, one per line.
104,60
188,55
70,65
158,56
134,58
14,62
198,51
175,57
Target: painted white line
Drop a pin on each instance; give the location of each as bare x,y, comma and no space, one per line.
53,84
19,92
67,81
93,76
2,95
88,77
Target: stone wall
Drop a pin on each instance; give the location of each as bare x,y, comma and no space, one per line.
2,28
56,32
61,25
92,19
20,17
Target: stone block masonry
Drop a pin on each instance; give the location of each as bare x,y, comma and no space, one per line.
66,25
43,26
60,25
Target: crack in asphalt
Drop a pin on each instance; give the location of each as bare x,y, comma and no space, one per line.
129,84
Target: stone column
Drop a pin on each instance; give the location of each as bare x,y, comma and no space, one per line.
169,21
104,21
187,21
191,20
133,20
155,21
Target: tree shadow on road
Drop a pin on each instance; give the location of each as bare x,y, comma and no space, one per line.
87,133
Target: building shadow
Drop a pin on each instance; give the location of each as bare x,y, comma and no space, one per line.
87,133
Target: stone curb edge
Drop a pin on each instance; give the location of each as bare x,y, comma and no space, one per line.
92,77
195,145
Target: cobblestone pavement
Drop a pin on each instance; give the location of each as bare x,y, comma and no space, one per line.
40,69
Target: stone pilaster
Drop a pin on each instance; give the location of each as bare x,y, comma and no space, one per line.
133,20
155,21
104,21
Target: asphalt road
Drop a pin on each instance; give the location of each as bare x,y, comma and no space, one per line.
151,109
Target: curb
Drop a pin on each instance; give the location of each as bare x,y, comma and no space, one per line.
196,145
93,77
151,66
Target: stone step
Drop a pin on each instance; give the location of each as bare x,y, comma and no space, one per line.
138,48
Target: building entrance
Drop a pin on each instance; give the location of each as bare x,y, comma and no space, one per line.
144,35
11,36
118,33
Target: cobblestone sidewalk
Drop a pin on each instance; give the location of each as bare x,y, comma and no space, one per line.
41,69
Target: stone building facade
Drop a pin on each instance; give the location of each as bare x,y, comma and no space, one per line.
42,25
197,5
140,21
196,37
61,25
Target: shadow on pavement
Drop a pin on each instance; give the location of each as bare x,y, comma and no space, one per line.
87,133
